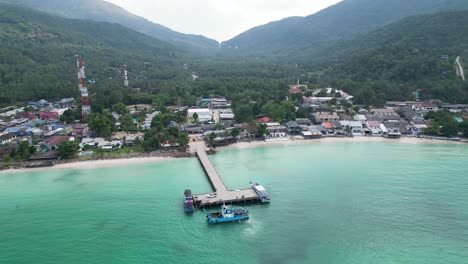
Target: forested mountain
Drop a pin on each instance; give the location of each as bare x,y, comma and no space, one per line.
37,56
99,10
393,62
341,21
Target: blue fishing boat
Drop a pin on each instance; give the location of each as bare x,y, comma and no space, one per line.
227,214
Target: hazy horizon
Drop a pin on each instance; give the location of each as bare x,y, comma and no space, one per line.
220,20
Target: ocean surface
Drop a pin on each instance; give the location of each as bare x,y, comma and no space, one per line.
331,203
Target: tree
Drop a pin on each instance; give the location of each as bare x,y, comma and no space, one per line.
243,113
464,128
183,139
235,132
127,123
25,151
68,149
120,108
449,127
101,124
262,129
7,160
195,118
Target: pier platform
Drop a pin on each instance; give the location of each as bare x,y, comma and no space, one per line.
223,194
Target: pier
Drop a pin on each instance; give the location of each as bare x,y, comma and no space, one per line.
223,194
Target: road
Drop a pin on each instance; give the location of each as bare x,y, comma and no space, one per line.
460,71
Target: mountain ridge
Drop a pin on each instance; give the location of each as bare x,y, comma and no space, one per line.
103,11
340,21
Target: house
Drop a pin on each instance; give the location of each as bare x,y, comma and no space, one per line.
53,142
265,120
339,129
79,130
425,107
303,121
226,114
311,134
5,138
275,130
356,128
325,117
374,127
44,156
382,111
48,115
360,118
329,128
219,103
293,128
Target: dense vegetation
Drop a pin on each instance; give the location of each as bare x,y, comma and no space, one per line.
290,37
98,10
417,53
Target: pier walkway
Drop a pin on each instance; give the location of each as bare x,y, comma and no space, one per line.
223,194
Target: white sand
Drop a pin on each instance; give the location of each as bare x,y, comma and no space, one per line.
403,140
94,164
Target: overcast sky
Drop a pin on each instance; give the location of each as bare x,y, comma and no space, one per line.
219,19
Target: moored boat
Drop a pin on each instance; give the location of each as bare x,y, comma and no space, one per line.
261,192
188,201
227,214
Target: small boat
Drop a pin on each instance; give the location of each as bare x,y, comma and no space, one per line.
227,214
261,192
188,201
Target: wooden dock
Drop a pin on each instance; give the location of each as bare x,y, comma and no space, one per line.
223,194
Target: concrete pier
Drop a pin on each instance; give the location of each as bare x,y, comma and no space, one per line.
223,194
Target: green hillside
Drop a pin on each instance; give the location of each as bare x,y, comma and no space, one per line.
400,58
98,10
37,56
289,37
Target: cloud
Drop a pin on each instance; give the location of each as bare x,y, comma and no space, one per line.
220,19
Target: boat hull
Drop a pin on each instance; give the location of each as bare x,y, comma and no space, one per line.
226,220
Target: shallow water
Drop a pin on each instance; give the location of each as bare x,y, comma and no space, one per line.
331,203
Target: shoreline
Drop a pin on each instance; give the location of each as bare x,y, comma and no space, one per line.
331,140
109,163
92,164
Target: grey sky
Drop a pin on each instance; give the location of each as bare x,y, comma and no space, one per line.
220,19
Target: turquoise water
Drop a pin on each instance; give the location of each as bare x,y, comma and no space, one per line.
332,203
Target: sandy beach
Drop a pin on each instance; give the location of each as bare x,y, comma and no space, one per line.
109,163
403,140
94,164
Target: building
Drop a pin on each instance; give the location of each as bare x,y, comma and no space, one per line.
325,117
303,121
204,114
425,107
293,128
53,142
79,130
226,114
48,115
382,111
360,118
356,128
275,130
374,127
219,103
329,128
5,138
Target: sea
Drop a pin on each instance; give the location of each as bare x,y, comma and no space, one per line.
353,202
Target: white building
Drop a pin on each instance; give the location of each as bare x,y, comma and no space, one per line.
204,114
356,128
226,114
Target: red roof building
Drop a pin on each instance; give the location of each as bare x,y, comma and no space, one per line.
265,120
328,125
48,115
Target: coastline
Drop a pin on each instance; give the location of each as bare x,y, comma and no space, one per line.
330,140
92,164
109,163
